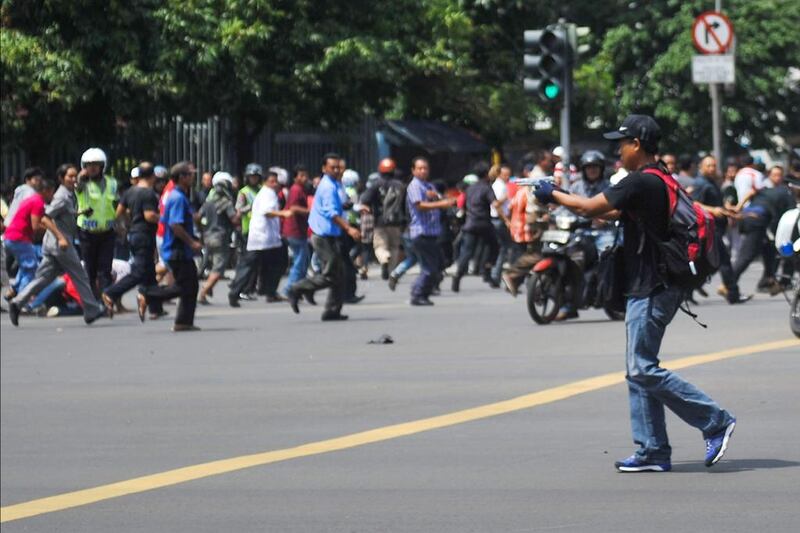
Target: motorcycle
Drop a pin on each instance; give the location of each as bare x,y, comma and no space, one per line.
566,273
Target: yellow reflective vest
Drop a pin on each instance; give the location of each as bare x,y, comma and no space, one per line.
103,205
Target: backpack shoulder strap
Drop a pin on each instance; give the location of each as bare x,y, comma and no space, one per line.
672,186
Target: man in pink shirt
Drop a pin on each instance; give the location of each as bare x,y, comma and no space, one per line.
20,233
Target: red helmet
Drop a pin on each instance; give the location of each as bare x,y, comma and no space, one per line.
387,166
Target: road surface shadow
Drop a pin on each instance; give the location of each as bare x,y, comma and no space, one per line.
733,465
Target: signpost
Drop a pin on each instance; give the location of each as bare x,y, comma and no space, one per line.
712,33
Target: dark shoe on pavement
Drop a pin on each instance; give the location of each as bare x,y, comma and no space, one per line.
109,303
156,316
740,299
141,306
177,328
294,299
247,297
275,299
456,284
13,313
203,301
309,297
421,301
716,445
233,300
393,282
354,299
494,284
635,464
92,319
331,316
385,271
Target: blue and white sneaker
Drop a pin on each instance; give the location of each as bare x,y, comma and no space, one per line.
635,464
716,445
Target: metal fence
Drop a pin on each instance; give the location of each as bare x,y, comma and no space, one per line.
209,145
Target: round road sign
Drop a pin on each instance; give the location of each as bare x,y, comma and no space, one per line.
712,33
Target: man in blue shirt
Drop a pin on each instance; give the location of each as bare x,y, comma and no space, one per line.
327,223
424,203
178,249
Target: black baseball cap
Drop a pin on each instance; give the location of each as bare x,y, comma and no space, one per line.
642,127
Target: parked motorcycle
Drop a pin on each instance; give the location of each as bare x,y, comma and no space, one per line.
566,273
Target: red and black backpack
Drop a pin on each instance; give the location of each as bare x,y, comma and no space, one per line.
689,256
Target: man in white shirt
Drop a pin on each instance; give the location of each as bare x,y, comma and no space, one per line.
748,179
265,244
500,188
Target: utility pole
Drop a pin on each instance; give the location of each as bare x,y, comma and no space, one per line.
716,127
566,102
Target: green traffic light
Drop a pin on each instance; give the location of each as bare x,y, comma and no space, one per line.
551,91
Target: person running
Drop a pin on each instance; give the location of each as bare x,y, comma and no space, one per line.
423,203
652,302
178,249
478,228
219,218
97,211
295,228
265,251
58,249
22,228
386,201
327,224
140,205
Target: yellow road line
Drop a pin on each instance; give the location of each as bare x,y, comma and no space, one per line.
223,466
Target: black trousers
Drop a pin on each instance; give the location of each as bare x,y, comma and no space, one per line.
143,269
729,279
331,276
350,273
185,287
470,240
753,244
97,252
270,266
429,255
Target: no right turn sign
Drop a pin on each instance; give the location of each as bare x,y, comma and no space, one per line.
712,33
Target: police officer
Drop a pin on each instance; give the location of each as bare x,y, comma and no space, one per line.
641,200
97,207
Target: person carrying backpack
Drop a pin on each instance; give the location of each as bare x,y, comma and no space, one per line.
664,255
386,200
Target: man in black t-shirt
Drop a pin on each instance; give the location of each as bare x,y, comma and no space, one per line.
479,228
641,201
140,202
708,194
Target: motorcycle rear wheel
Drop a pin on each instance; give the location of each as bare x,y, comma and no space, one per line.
545,291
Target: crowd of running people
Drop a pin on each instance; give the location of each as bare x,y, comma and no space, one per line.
76,242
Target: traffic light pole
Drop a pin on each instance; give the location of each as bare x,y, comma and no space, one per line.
566,102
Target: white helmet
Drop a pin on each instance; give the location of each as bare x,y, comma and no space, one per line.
222,178
93,155
350,178
283,175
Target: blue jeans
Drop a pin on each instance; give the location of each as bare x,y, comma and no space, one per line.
25,254
301,256
57,284
504,247
409,261
651,387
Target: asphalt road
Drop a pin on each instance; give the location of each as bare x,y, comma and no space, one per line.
85,407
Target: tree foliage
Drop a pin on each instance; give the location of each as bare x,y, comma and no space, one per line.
86,68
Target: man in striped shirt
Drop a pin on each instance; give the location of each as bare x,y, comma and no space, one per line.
424,203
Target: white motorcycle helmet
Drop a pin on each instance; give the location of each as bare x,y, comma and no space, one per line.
93,155
222,178
350,178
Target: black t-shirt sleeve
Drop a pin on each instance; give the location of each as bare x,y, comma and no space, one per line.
125,199
621,195
489,195
150,202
